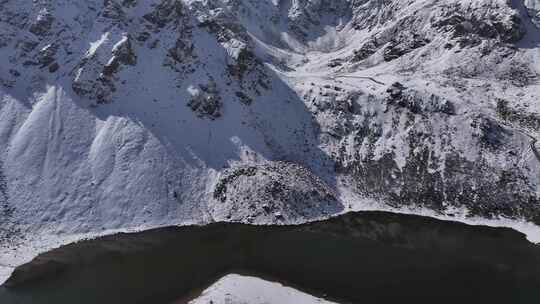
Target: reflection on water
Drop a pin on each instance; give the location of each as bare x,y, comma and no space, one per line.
370,257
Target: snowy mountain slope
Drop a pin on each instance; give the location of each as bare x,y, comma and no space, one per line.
131,114
441,136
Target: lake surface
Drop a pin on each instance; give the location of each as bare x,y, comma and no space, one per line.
367,257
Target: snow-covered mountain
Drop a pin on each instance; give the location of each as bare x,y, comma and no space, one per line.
130,114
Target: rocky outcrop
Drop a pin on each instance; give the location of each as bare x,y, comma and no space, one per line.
533,7
490,26
222,21
42,23
415,148
282,192
307,18
9,232
4,199
404,43
470,30
416,103
205,101
165,12
522,118
122,54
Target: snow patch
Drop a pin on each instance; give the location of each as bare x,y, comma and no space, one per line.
237,289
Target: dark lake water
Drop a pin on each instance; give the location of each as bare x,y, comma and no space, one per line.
368,257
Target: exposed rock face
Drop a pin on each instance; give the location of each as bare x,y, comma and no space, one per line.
4,202
122,54
206,101
42,23
422,125
8,229
533,6
221,20
519,117
281,192
416,102
402,45
492,25
408,145
470,29
165,12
